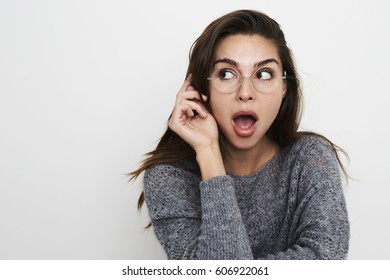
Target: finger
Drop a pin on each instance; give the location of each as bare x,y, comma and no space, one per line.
189,95
179,114
187,110
194,106
190,88
204,97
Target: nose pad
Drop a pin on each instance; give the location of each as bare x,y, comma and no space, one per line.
246,92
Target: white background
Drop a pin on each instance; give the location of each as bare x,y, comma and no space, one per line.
86,88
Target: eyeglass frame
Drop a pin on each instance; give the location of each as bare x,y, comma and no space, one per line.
241,78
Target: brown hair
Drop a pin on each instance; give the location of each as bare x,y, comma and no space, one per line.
283,131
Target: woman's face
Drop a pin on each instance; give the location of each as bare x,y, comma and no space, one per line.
245,110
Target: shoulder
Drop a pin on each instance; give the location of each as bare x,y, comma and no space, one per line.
312,149
311,160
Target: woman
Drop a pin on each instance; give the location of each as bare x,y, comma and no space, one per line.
232,178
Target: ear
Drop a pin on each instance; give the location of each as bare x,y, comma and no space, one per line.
284,88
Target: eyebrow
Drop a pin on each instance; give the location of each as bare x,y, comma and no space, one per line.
256,65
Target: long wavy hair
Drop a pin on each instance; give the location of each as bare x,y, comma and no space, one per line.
283,131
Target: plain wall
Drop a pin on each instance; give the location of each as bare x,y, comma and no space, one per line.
86,88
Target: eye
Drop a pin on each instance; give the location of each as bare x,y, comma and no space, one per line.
227,74
263,75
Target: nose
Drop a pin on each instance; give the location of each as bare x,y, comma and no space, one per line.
246,91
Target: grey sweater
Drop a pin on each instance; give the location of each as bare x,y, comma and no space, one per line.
292,208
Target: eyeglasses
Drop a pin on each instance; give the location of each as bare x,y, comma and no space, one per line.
229,80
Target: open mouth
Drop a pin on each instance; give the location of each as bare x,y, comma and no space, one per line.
244,123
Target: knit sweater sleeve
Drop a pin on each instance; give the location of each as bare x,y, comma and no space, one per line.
319,222
195,219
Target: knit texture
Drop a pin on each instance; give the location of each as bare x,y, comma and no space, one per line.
292,208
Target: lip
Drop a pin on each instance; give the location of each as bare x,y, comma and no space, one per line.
244,132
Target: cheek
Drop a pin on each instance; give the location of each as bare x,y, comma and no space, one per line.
218,108
272,107
218,112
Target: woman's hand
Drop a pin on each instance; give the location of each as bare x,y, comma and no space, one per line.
198,129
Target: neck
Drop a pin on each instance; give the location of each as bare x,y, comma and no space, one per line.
248,162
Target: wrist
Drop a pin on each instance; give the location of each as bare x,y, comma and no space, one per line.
210,162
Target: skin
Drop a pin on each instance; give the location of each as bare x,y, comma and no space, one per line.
246,154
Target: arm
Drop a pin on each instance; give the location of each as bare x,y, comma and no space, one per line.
188,228
319,226
323,229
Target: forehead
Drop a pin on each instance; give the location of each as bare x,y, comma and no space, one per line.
246,49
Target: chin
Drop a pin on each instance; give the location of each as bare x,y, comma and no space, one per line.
244,143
